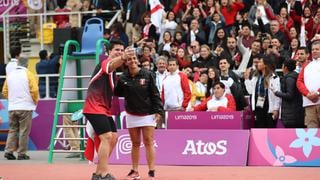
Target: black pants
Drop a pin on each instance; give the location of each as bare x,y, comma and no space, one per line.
263,119
294,124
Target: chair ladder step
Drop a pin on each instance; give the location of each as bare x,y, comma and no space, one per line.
71,126
72,101
64,113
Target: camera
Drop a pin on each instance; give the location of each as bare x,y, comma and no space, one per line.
61,48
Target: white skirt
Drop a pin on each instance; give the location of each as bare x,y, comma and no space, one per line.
140,121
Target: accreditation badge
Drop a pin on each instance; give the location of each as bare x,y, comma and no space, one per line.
260,101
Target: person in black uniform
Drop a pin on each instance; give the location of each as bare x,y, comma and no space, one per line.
144,108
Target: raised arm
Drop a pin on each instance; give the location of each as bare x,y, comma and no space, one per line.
118,61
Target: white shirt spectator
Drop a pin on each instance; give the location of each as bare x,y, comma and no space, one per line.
11,66
264,17
176,91
21,88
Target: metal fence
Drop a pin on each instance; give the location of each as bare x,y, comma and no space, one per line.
47,78
43,19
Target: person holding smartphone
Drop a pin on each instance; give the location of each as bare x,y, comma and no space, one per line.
97,107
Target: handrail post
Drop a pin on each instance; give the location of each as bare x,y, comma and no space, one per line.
41,31
114,18
45,11
47,87
5,45
79,19
6,23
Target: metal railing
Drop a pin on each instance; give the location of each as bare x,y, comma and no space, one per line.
5,26
43,20
47,80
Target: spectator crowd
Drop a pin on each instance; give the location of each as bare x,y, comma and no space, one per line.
208,55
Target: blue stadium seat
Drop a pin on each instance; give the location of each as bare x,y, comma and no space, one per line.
93,31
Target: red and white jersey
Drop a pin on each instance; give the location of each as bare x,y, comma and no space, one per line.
100,91
309,81
157,10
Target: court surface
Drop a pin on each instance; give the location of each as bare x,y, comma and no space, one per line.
73,169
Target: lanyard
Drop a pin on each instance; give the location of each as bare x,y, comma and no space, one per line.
259,87
129,6
119,2
95,2
158,83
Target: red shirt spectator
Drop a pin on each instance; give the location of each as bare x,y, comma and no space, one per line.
308,21
183,59
62,21
229,11
285,21
182,4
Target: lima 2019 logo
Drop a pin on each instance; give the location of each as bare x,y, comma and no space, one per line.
124,145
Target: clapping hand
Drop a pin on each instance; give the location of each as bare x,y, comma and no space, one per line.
217,6
212,9
189,6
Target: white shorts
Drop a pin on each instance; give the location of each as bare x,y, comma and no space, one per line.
140,121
